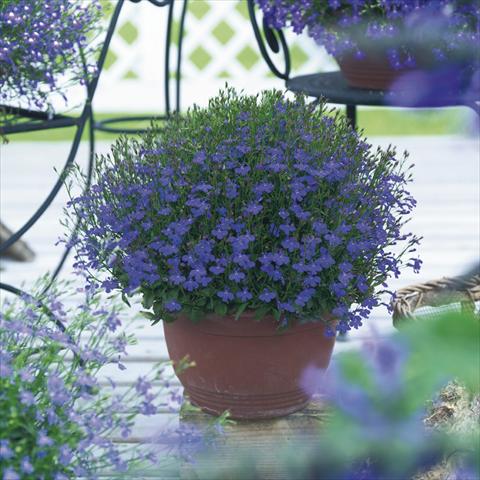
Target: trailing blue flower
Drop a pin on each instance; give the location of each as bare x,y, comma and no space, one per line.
57,421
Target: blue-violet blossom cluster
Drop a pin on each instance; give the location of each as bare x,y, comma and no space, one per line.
384,417
255,202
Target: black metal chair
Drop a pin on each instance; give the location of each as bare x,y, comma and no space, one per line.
22,120
333,87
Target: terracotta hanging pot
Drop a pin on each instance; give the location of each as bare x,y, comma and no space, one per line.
246,366
372,72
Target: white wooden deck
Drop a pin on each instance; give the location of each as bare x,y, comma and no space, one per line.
447,179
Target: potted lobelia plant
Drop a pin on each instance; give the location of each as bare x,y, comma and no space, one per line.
255,229
376,42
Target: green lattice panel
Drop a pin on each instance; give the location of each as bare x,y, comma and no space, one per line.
223,32
200,58
128,32
298,56
199,8
248,57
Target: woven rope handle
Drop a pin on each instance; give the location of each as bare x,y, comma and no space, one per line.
435,293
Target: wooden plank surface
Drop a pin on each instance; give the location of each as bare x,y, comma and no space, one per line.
448,217
262,441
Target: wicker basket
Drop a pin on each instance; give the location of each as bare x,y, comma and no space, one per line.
446,294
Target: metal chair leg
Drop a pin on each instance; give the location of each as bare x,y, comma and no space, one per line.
53,193
352,115
90,168
80,124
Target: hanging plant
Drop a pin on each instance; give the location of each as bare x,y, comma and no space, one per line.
383,38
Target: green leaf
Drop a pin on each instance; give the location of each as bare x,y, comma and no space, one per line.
172,294
158,308
211,303
277,314
224,419
220,308
261,312
148,315
195,315
240,310
159,292
148,298
166,318
125,299
187,408
183,364
201,301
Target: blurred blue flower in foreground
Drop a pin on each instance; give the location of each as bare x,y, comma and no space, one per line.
57,420
425,88
369,405
380,397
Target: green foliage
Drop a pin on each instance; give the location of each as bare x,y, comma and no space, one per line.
443,349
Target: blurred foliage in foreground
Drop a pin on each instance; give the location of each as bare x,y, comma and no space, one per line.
390,420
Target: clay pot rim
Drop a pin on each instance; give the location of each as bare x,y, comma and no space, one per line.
248,326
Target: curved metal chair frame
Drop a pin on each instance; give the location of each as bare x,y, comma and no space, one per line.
108,124
332,85
24,120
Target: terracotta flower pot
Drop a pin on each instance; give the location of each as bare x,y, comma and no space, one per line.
246,366
375,72
372,72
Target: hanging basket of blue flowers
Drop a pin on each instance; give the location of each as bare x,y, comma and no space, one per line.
377,42
255,228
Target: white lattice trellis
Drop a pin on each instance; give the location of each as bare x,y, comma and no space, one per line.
219,46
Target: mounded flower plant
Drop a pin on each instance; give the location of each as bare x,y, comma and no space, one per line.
253,203
254,207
